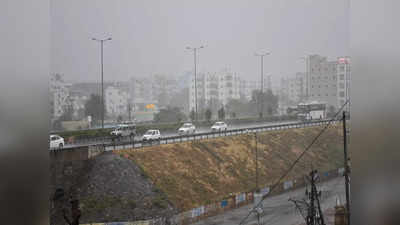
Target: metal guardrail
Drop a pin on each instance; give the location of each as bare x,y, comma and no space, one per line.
110,144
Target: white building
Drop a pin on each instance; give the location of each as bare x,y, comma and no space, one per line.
59,95
343,81
215,89
78,101
328,81
228,86
116,101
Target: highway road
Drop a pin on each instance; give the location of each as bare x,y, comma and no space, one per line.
173,137
278,210
171,134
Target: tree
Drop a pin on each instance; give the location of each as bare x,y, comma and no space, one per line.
162,99
170,114
267,100
221,113
208,114
192,115
93,107
239,107
180,99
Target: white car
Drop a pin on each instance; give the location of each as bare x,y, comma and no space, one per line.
56,141
151,135
187,128
124,130
219,126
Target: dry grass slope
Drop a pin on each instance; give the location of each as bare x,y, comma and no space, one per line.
201,172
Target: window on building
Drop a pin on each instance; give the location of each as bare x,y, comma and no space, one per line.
341,94
341,85
341,76
327,86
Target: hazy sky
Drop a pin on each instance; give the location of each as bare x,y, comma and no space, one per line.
150,36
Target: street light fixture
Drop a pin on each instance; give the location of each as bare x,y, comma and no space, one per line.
194,49
261,55
102,83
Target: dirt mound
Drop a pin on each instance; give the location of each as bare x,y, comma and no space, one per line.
111,188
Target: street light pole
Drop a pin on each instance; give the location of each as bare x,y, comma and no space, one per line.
262,80
195,75
102,82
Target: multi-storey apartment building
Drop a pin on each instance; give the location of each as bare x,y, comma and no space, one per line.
117,100
328,81
59,95
216,89
228,86
322,77
343,81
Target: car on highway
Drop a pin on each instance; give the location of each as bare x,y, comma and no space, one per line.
56,141
219,126
187,128
124,130
151,135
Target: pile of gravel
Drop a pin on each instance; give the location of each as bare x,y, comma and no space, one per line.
110,188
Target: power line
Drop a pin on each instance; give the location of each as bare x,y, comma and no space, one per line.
295,162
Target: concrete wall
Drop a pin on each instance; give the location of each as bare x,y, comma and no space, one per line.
75,154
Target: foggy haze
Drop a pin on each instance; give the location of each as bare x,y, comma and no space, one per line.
151,36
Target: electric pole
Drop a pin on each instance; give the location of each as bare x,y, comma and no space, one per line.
346,169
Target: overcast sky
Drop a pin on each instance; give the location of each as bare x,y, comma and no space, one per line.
150,36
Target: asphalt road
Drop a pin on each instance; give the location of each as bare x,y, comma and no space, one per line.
170,134
277,210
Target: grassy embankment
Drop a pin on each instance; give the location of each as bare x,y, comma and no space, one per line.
201,172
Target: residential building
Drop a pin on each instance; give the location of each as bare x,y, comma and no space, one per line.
328,81
117,100
322,80
59,95
216,89
228,86
343,81
78,101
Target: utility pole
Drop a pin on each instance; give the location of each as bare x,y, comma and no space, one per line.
314,196
346,168
311,210
262,81
195,75
102,83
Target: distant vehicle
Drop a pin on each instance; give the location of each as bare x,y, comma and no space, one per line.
56,141
311,111
151,135
219,126
187,128
124,130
